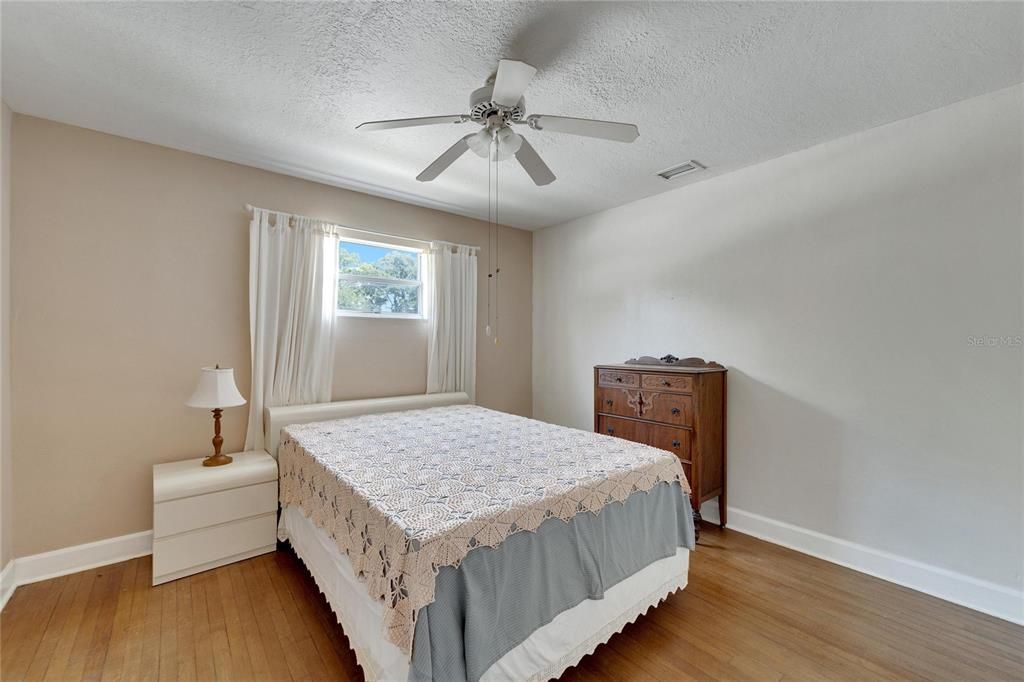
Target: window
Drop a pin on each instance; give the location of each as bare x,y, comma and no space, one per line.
379,279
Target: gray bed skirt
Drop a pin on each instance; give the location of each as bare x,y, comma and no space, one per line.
498,596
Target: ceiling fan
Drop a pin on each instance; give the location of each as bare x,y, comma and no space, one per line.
496,107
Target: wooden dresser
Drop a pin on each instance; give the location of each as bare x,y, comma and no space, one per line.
673,407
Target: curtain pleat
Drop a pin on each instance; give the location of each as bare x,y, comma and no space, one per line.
292,301
451,352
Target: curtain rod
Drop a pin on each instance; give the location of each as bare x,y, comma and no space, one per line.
251,208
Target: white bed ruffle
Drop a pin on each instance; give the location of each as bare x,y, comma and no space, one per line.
544,655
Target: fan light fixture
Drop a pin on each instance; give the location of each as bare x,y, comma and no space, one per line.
507,144
496,106
480,143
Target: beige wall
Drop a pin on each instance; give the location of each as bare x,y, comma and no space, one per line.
6,462
130,271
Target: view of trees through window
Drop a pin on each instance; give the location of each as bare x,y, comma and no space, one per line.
376,279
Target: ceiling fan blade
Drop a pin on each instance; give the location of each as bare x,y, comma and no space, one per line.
411,122
534,165
606,130
446,159
510,82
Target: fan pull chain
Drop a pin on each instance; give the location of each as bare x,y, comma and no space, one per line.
497,253
490,248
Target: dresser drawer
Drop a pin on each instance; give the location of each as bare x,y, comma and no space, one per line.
667,382
200,511
618,401
200,550
620,428
668,408
611,377
676,441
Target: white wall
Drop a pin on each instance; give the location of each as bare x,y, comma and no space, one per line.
841,285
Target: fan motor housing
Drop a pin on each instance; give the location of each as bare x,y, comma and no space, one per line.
482,107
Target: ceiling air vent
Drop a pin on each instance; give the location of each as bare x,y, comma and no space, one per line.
690,166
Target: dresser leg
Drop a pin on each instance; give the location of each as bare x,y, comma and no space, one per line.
696,524
721,510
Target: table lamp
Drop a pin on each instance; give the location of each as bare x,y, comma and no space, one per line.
216,390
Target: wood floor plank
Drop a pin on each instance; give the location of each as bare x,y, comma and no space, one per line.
17,629
293,585
262,606
129,666
185,642
296,654
868,641
241,668
751,611
113,664
334,634
109,598
202,635
800,639
51,635
253,639
170,661
149,656
845,605
57,669
299,635
216,629
89,649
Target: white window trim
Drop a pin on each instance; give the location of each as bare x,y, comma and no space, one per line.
381,316
349,277
419,283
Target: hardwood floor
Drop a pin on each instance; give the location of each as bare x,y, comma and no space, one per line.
752,611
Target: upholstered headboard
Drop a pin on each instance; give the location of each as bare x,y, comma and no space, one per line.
274,418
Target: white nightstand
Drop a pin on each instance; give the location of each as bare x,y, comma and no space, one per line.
205,517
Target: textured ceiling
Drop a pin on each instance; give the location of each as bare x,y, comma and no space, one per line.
282,86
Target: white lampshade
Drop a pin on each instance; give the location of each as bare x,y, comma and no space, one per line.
481,142
508,144
216,389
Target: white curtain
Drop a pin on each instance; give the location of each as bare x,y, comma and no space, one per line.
451,354
292,302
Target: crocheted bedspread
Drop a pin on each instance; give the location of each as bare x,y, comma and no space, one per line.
405,493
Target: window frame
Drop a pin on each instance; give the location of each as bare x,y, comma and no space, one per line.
419,283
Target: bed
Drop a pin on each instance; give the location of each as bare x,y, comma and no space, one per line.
456,542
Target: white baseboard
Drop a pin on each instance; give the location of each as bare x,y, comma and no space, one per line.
30,569
7,583
980,595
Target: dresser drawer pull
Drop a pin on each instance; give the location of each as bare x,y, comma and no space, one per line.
666,382
611,430
676,444
675,410
609,403
618,379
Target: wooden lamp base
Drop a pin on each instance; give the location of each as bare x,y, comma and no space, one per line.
217,459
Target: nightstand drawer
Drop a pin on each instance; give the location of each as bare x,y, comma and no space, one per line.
200,511
200,550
